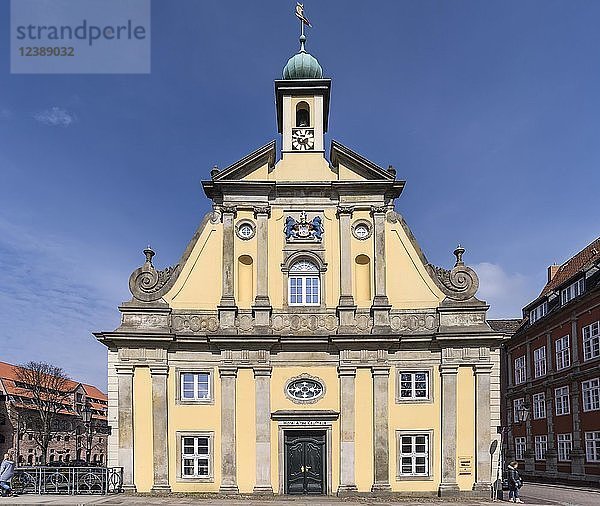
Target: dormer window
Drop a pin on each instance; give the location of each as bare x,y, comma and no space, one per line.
573,290
538,312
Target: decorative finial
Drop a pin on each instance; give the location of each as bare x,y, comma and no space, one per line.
458,253
149,252
215,170
302,41
303,21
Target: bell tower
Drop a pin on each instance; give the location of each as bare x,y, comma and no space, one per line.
302,99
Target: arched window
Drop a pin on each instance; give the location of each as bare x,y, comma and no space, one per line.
362,276
304,284
302,115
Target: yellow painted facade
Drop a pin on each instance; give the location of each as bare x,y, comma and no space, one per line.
303,344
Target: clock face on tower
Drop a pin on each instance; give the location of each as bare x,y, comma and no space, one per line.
303,139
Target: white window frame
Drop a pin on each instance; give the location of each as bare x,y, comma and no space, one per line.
564,443
520,370
413,390
572,291
196,456
517,406
592,446
562,401
538,312
563,352
539,361
300,273
590,390
541,447
196,390
591,341
195,371
520,447
413,455
539,405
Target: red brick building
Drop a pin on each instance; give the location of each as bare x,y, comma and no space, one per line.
69,440
553,368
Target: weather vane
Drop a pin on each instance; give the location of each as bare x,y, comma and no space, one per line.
303,19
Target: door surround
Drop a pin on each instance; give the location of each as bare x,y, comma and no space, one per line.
304,420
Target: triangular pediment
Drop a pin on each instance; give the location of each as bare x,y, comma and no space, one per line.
341,155
263,156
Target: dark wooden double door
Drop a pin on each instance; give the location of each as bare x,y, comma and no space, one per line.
305,462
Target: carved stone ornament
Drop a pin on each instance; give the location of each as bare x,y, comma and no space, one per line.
304,389
147,284
461,283
303,229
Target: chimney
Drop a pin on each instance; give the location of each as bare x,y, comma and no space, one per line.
552,270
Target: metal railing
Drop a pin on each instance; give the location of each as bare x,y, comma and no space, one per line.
68,480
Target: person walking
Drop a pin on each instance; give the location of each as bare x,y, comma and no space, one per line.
514,482
7,471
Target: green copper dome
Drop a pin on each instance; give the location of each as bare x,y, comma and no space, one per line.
302,65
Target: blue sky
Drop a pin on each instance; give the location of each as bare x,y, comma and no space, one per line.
490,111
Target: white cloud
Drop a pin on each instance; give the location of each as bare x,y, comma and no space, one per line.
506,293
55,116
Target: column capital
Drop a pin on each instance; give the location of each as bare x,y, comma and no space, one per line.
262,370
345,370
264,210
449,369
380,370
379,209
483,368
124,370
345,210
228,371
159,370
229,210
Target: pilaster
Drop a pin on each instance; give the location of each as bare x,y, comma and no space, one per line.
483,436
159,374
346,307
262,382
227,307
381,445
449,485
552,452
381,305
578,452
228,376
262,304
125,379
347,377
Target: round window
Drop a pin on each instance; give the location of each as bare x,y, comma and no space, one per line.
245,231
304,389
362,231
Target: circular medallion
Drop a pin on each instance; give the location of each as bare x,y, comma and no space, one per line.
304,389
361,230
245,230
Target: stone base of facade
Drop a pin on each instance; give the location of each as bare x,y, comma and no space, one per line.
161,488
448,490
229,489
262,491
129,488
381,488
482,489
347,490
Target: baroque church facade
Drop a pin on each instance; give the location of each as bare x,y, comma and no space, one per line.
303,344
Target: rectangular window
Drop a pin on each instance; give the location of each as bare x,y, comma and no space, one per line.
563,353
520,448
565,445
304,291
195,386
562,400
539,361
414,385
517,407
196,457
541,447
538,312
591,341
591,394
572,291
520,370
539,406
414,455
592,446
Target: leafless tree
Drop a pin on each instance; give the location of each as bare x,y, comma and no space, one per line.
48,388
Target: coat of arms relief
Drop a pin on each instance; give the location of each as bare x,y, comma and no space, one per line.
303,229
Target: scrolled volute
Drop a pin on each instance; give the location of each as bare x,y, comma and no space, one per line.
460,283
148,284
